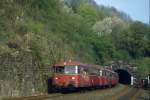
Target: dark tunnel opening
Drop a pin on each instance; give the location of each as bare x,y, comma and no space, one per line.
124,76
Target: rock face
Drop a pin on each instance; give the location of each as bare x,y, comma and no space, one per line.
20,75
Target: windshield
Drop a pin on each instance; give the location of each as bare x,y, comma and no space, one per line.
59,69
66,69
71,70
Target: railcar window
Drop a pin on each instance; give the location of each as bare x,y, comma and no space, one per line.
93,71
104,73
82,70
71,70
59,69
66,69
107,73
111,74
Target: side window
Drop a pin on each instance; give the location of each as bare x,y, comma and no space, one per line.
97,71
103,73
107,73
79,70
59,69
82,70
111,74
85,71
93,71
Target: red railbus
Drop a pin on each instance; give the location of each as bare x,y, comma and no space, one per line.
72,75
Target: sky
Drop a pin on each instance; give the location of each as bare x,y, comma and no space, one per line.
136,9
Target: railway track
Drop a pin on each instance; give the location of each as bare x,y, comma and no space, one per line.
120,92
129,95
60,95
39,97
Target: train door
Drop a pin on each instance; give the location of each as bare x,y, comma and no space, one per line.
100,77
104,78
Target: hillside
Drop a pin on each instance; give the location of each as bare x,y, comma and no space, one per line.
35,33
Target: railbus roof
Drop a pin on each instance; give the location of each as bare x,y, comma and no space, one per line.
68,63
75,63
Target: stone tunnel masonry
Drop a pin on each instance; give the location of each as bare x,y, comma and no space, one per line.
126,72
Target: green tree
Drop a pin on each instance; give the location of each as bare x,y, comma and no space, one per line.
143,67
138,42
89,12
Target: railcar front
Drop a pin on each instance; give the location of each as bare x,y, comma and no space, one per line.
65,77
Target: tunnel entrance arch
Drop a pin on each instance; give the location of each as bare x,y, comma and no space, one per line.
124,76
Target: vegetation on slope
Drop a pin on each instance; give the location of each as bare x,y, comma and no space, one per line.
48,31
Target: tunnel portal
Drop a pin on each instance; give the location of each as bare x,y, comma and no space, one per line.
124,76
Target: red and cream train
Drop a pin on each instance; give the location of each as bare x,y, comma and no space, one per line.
75,75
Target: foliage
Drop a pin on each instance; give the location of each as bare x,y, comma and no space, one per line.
53,30
72,32
89,12
143,67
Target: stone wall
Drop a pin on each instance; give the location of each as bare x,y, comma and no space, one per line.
21,75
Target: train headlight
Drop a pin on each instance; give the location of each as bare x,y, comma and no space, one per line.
56,78
73,78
